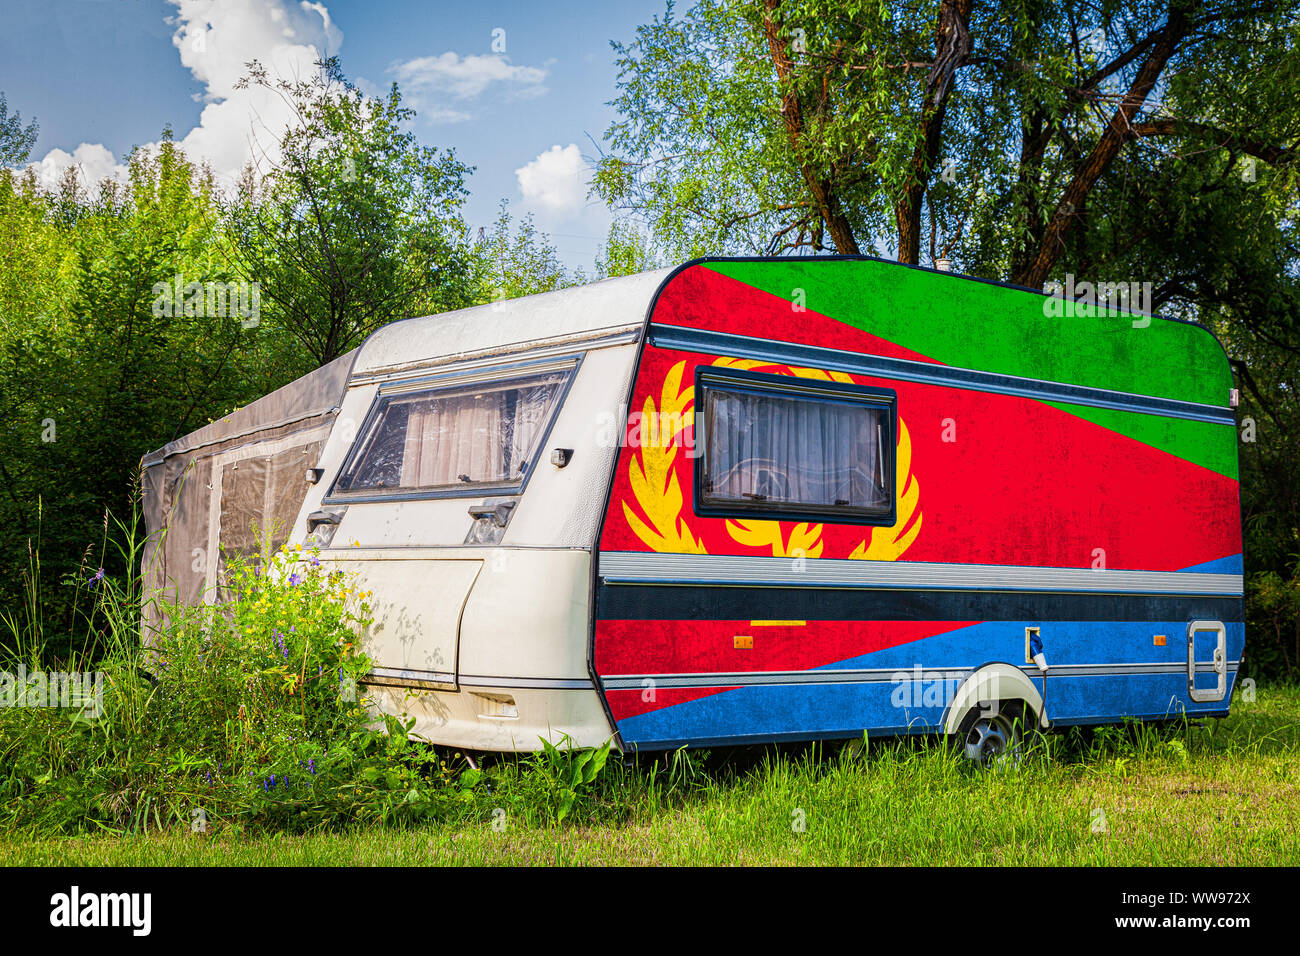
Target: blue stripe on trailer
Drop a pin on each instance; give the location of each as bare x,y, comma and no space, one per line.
1232,564
1098,674
844,710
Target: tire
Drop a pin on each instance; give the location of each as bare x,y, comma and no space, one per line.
992,741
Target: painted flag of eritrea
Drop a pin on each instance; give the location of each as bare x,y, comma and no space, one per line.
1032,435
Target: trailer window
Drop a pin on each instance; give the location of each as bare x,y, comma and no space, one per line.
454,438
795,448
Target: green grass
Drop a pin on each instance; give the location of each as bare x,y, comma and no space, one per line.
1224,794
243,715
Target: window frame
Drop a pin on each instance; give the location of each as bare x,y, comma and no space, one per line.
768,385
454,381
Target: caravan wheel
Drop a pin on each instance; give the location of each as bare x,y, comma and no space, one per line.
993,740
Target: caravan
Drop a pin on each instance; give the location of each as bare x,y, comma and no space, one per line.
750,500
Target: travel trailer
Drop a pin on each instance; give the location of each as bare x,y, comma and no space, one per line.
751,500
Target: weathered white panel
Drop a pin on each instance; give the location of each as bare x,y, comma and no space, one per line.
611,304
416,605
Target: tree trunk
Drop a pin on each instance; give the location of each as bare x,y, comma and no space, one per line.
823,196
1118,131
952,47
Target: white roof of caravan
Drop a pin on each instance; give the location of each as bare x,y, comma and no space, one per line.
579,312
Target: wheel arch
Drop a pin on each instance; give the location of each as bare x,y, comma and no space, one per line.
997,680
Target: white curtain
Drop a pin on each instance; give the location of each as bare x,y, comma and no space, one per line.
792,450
473,436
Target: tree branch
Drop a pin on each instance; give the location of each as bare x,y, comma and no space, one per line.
1118,131
1169,126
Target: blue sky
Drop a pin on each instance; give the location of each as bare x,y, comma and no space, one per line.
102,76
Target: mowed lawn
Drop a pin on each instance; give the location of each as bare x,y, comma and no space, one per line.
1226,793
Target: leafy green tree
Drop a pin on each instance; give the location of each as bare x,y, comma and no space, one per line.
102,362
355,224
517,259
37,282
627,250
695,153
16,140
770,126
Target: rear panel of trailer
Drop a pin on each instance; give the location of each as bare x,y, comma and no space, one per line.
1075,473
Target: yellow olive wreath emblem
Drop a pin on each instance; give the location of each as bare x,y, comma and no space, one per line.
658,492
651,473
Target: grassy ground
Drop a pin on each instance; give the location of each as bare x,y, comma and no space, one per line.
1227,794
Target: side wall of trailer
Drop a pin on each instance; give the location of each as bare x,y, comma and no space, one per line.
1077,474
484,644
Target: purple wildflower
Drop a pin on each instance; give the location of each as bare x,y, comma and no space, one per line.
99,576
311,765
295,579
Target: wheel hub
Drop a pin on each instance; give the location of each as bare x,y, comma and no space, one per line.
986,743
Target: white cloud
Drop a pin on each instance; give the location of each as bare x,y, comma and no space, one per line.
556,181
94,162
554,186
554,189
431,81
215,40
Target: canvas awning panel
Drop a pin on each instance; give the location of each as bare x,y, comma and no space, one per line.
233,485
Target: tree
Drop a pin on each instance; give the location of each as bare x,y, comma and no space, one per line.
100,361
696,154
16,140
627,251
355,224
517,260
774,126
